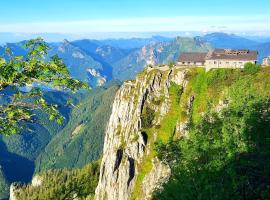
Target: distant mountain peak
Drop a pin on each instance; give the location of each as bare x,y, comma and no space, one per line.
220,34
65,41
225,40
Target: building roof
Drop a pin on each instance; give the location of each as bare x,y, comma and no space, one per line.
232,54
192,57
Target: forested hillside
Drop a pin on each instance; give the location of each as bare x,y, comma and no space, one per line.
224,153
62,184
50,145
81,140
4,187
18,153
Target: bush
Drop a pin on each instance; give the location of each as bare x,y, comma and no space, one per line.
217,75
251,68
168,152
147,118
64,184
171,64
226,155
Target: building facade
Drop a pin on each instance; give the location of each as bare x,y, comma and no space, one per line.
219,58
266,61
192,59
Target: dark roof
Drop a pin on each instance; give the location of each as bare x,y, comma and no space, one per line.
192,57
232,54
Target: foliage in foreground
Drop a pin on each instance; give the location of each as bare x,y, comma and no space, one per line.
227,154
4,187
52,146
70,148
18,72
64,184
251,68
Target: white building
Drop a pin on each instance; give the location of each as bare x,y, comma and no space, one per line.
192,59
219,58
266,61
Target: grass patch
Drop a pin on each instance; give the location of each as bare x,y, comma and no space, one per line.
164,132
147,117
168,123
206,87
145,167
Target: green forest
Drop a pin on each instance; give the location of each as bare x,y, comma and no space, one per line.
226,153
63,184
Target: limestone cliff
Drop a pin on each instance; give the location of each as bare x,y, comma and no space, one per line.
13,190
130,168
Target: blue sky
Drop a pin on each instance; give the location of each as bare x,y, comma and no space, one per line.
85,16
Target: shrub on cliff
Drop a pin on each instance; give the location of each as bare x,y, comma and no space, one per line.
251,68
226,155
147,118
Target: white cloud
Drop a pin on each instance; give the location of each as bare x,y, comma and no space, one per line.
187,23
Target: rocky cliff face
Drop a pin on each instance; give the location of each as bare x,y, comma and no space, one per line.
13,190
129,168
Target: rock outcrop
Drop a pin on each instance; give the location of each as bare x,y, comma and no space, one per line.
37,181
159,174
126,145
14,188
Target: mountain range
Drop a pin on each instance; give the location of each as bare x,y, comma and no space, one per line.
99,61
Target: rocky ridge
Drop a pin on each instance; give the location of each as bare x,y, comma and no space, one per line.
127,147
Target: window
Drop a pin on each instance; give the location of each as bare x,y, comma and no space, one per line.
183,63
215,62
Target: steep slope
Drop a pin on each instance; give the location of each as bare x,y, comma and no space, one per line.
29,144
47,147
81,65
153,113
128,149
4,187
157,53
103,53
111,54
86,45
60,184
18,152
81,140
228,144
